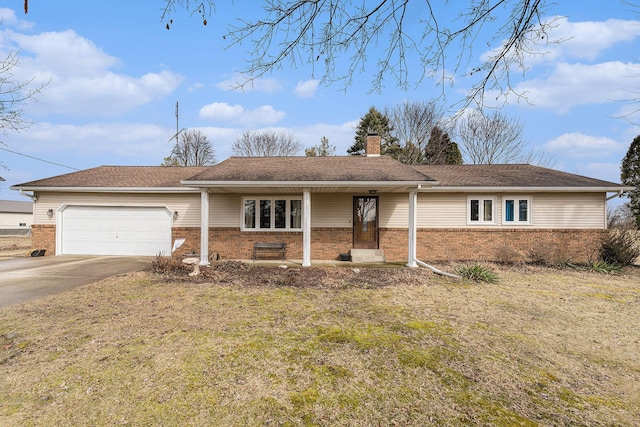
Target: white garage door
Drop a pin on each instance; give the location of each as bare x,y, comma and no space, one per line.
103,230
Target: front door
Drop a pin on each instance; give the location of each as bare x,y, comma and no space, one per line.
365,222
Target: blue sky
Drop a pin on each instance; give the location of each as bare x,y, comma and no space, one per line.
115,74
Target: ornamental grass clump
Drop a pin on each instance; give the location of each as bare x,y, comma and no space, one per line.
478,273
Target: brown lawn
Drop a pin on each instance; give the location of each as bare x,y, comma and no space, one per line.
251,346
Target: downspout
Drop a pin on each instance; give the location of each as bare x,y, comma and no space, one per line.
31,196
618,194
437,271
413,230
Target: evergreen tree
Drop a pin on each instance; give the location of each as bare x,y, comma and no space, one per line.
630,175
440,150
375,122
454,156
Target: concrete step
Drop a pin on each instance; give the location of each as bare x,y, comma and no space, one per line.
367,255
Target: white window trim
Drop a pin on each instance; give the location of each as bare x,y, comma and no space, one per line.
272,199
480,221
516,216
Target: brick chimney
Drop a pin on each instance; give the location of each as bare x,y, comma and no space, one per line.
372,146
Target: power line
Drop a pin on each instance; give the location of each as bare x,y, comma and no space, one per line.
41,160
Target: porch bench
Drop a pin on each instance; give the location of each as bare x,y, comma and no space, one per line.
269,247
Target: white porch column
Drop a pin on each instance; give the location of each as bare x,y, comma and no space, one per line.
413,214
204,227
306,228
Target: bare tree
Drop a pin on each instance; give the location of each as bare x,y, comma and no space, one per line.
411,123
329,34
321,150
192,149
13,96
494,139
266,143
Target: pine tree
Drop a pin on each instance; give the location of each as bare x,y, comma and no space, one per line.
440,150
630,175
454,156
375,122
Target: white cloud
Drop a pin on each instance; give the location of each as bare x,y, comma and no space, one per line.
579,145
8,17
306,89
65,53
577,40
241,83
264,115
223,112
125,139
587,40
570,85
603,170
79,78
340,136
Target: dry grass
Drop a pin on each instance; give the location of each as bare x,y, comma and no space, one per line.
249,347
14,246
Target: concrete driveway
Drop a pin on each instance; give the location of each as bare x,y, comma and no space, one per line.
25,279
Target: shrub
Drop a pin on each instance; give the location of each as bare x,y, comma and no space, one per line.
478,273
604,267
620,247
164,265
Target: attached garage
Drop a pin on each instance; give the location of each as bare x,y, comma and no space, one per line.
114,230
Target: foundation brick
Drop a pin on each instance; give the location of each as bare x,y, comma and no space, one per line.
504,245
43,236
509,245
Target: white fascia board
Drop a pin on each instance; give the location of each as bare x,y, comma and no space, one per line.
109,189
526,189
308,184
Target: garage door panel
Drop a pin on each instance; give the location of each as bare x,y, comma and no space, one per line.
105,230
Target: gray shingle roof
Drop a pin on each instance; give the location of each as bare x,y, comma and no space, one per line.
121,176
346,169
295,169
507,176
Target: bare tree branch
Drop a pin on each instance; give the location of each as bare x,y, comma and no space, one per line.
192,148
326,32
495,139
266,144
13,96
412,123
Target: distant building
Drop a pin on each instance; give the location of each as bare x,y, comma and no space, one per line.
15,217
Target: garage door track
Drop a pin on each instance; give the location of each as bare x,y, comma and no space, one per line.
25,279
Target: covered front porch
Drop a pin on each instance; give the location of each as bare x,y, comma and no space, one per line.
369,223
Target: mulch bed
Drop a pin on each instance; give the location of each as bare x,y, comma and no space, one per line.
246,275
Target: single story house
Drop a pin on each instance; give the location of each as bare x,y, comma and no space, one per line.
321,207
16,217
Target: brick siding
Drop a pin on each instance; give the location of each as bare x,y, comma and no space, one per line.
231,243
504,245
510,245
43,236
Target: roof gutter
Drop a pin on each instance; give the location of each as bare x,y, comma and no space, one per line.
106,189
295,184
479,189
